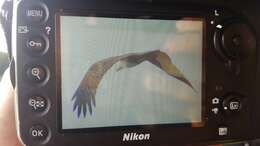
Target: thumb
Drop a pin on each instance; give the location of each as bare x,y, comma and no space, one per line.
6,89
7,115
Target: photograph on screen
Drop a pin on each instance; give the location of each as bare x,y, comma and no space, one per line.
128,72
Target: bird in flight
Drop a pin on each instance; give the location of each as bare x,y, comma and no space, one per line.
84,96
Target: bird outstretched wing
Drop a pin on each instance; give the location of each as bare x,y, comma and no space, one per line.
163,61
84,96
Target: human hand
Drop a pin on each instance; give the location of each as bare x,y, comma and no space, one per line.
8,135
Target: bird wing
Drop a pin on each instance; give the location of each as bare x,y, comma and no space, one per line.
163,61
84,96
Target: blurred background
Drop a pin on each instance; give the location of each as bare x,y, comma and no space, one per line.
3,51
4,61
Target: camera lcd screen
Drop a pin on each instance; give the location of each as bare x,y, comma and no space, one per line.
129,71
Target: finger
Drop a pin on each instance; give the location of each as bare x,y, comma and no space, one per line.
6,90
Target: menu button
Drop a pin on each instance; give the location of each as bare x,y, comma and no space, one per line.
36,14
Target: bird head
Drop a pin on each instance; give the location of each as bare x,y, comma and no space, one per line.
120,65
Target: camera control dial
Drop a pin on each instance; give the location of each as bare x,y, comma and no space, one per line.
235,40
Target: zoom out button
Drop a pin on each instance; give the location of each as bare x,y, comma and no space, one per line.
38,103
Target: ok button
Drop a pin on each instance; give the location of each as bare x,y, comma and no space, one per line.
39,132
36,44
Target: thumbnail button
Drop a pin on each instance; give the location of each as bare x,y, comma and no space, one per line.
39,132
37,103
36,73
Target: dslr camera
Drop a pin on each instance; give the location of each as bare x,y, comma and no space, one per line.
134,72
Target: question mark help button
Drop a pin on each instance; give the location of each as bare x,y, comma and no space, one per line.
36,73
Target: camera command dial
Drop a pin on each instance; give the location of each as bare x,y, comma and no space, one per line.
235,40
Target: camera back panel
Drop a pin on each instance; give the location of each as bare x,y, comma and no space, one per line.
46,69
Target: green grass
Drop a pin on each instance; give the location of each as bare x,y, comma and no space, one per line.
3,63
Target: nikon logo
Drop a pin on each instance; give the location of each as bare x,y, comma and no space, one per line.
135,137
